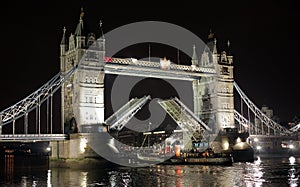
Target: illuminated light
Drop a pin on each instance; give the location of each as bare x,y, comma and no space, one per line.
134,60
48,149
177,150
292,160
258,161
258,147
108,59
69,85
83,179
291,146
82,145
238,140
193,67
225,145
255,139
178,130
165,64
159,132
147,133
181,146
49,178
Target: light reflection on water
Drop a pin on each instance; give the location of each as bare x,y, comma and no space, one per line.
293,173
262,172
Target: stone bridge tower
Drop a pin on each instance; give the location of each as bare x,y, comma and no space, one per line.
213,96
86,92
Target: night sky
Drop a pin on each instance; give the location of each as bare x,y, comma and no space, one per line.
263,37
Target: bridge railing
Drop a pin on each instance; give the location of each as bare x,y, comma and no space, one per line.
295,128
143,63
186,119
33,137
122,116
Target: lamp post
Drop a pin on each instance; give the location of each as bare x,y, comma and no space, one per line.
149,135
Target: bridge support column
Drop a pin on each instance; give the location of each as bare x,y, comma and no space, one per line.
14,126
47,117
74,148
39,117
26,123
51,113
1,124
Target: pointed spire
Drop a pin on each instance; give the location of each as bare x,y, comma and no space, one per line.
194,57
63,40
211,34
214,51
100,24
212,42
228,48
79,28
81,13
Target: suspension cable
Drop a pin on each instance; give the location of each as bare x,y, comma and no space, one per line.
38,97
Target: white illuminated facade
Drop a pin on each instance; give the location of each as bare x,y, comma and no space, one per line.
83,94
213,96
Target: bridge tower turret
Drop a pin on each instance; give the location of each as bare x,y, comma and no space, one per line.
79,32
195,57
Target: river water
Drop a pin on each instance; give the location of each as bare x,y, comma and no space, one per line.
21,171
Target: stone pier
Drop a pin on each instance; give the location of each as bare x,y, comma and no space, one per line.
74,148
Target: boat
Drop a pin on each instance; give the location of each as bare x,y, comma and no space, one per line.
150,156
207,157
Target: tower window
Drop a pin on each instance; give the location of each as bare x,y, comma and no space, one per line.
225,105
224,70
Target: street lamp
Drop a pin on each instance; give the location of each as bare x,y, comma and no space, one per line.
258,147
149,131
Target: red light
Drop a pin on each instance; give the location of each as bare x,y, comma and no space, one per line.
108,59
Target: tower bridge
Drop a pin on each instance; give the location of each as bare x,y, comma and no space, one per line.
83,66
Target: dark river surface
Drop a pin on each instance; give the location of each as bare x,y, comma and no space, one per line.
266,171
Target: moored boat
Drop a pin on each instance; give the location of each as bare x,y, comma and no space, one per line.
207,157
150,155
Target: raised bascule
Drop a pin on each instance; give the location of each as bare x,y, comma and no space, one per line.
83,65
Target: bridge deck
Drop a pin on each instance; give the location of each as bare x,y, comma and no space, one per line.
32,137
140,68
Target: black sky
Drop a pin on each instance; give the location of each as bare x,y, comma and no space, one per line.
263,35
